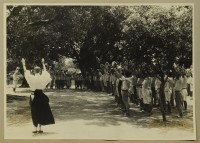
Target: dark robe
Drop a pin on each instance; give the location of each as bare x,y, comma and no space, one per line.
40,109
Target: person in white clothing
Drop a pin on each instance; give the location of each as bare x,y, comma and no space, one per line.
178,97
168,94
147,95
139,91
190,82
157,88
16,77
184,92
40,110
126,80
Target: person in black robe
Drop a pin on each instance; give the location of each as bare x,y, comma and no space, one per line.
40,110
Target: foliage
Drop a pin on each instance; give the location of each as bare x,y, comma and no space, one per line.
149,39
83,33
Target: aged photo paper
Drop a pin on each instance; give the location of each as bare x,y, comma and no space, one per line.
73,56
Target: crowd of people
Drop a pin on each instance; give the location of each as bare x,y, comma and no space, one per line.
142,90
125,87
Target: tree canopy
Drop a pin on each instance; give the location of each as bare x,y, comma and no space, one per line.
153,35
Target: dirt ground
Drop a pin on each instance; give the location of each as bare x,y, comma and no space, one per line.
95,109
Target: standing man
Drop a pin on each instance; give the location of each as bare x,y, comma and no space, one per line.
184,92
95,81
68,80
62,79
168,94
139,91
107,79
113,83
154,99
40,110
136,98
190,82
16,77
178,98
52,73
101,81
157,88
119,88
126,80
147,95
57,79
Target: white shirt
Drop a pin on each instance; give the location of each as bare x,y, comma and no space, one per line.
190,81
146,84
37,81
17,76
126,82
157,84
184,82
178,84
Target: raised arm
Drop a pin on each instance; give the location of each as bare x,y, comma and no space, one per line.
24,64
44,67
117,74
130,79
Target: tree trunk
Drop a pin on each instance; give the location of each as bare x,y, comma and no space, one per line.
162,102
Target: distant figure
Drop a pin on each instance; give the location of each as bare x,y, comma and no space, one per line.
184,92
168,94
178,97
147,95
16,77
126,80
52,73
190,82
39,102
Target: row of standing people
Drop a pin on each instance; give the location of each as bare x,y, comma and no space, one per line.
143,91
97,82
146,93
60,79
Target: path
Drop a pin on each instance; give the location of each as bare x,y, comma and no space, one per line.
90,115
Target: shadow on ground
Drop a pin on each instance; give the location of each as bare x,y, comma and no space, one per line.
97,108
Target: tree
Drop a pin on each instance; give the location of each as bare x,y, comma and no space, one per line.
155,41
79,32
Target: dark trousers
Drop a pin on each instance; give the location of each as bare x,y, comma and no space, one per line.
113,88
52,83
101,85
79,84
135,96
169,106
178,101
62,84
141,104
148,108
98,87
172,100
154,98
125,100
108,90
57,85
120,94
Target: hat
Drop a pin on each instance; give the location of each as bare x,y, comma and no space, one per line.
37,68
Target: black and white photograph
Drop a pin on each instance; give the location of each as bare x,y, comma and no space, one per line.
99,71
